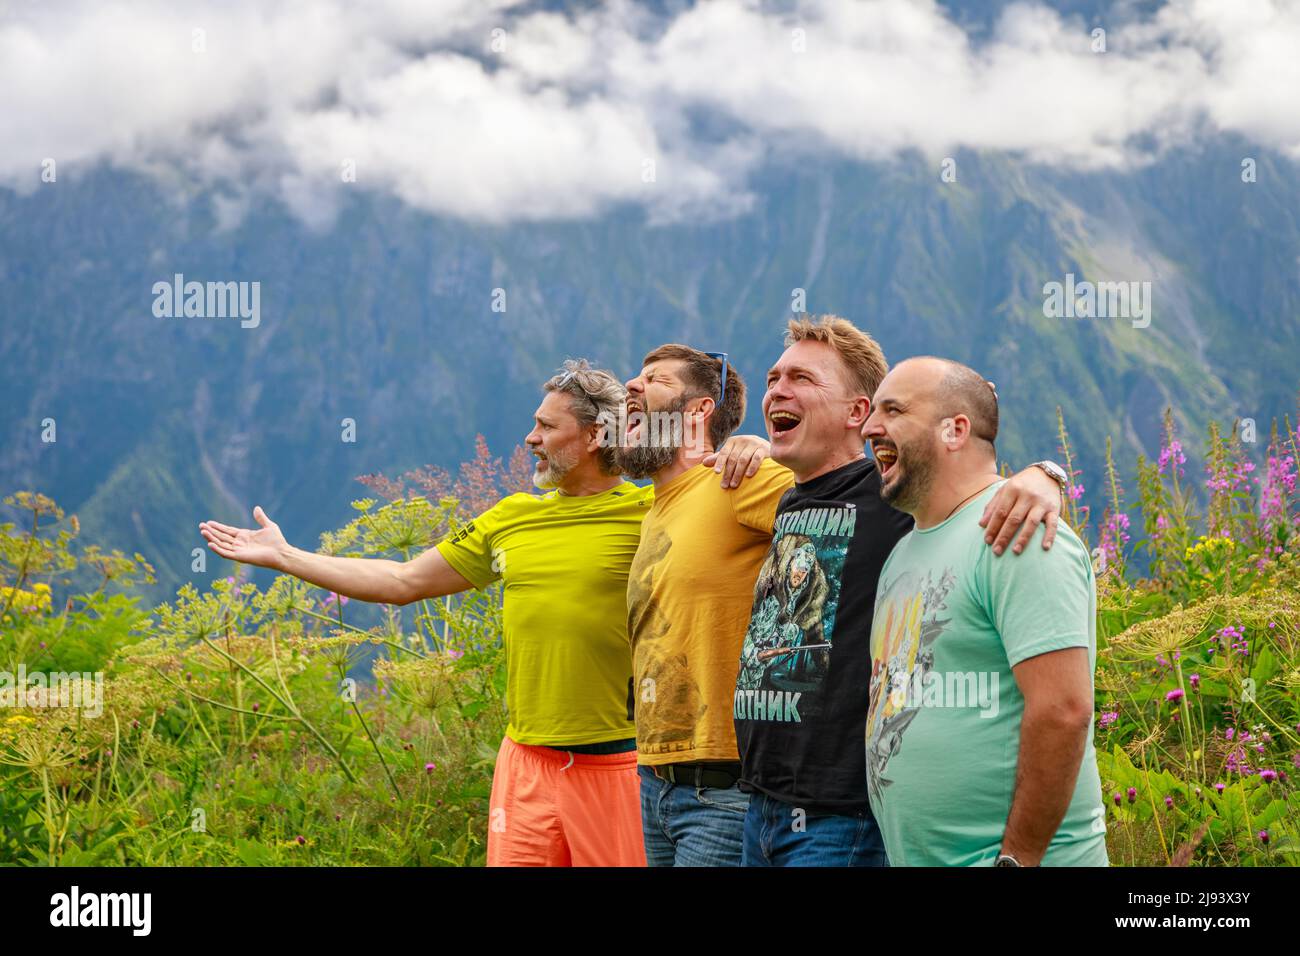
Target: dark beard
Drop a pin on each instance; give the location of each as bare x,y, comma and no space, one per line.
643,460
906,492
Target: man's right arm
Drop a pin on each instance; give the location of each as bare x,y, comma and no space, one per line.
377,580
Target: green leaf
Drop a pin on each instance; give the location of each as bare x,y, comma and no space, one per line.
1265,667
252,853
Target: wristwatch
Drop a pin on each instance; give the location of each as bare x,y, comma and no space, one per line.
1006,859
1055,472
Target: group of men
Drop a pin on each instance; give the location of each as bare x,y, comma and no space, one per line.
820,658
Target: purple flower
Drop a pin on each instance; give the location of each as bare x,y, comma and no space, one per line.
1169,802
1279,482
1195,681
1227,734
1237,763
1218,788
1118,798
1173,452
301,839
1132,794
1108,717
1175,695
1263,836
430,767
256,707
1268,776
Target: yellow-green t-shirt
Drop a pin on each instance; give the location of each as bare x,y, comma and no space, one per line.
688,604
564,561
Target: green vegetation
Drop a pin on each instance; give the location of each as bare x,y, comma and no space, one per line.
232,733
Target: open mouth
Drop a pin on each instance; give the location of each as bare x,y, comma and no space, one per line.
783,421
886,458
635,416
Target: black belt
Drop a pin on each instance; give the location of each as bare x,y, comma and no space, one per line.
715,776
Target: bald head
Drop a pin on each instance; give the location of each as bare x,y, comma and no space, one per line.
932,427
956,389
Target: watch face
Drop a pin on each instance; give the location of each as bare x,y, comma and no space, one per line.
1006,861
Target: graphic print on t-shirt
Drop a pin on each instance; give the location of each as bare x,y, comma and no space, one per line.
787,650
667,700
903,633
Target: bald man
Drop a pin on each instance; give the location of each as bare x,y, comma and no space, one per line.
979,730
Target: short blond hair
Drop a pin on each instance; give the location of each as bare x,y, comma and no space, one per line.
859,353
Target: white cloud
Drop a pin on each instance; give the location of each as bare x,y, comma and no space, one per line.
561,121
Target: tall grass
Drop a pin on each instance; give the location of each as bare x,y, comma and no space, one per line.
241,726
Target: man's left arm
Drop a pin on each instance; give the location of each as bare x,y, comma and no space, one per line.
1028,499
1057,688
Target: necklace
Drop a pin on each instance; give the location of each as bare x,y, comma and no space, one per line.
963,501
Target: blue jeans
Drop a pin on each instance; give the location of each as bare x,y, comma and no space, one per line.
691,826
776,834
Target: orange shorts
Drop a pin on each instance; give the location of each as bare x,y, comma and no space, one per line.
555,808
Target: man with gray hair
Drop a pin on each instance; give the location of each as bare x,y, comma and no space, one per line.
565,788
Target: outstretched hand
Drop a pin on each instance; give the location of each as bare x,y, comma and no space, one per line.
261,547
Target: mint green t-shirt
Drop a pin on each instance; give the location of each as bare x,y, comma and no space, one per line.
943,725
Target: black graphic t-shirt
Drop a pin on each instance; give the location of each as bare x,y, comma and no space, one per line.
805,665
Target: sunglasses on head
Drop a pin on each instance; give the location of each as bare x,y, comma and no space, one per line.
722,356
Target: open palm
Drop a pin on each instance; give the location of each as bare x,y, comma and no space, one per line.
260,546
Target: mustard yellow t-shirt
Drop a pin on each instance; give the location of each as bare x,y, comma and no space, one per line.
688,602
564,561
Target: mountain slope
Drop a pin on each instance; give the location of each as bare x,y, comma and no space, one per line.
387,319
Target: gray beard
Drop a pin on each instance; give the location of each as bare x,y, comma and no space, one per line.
555,471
